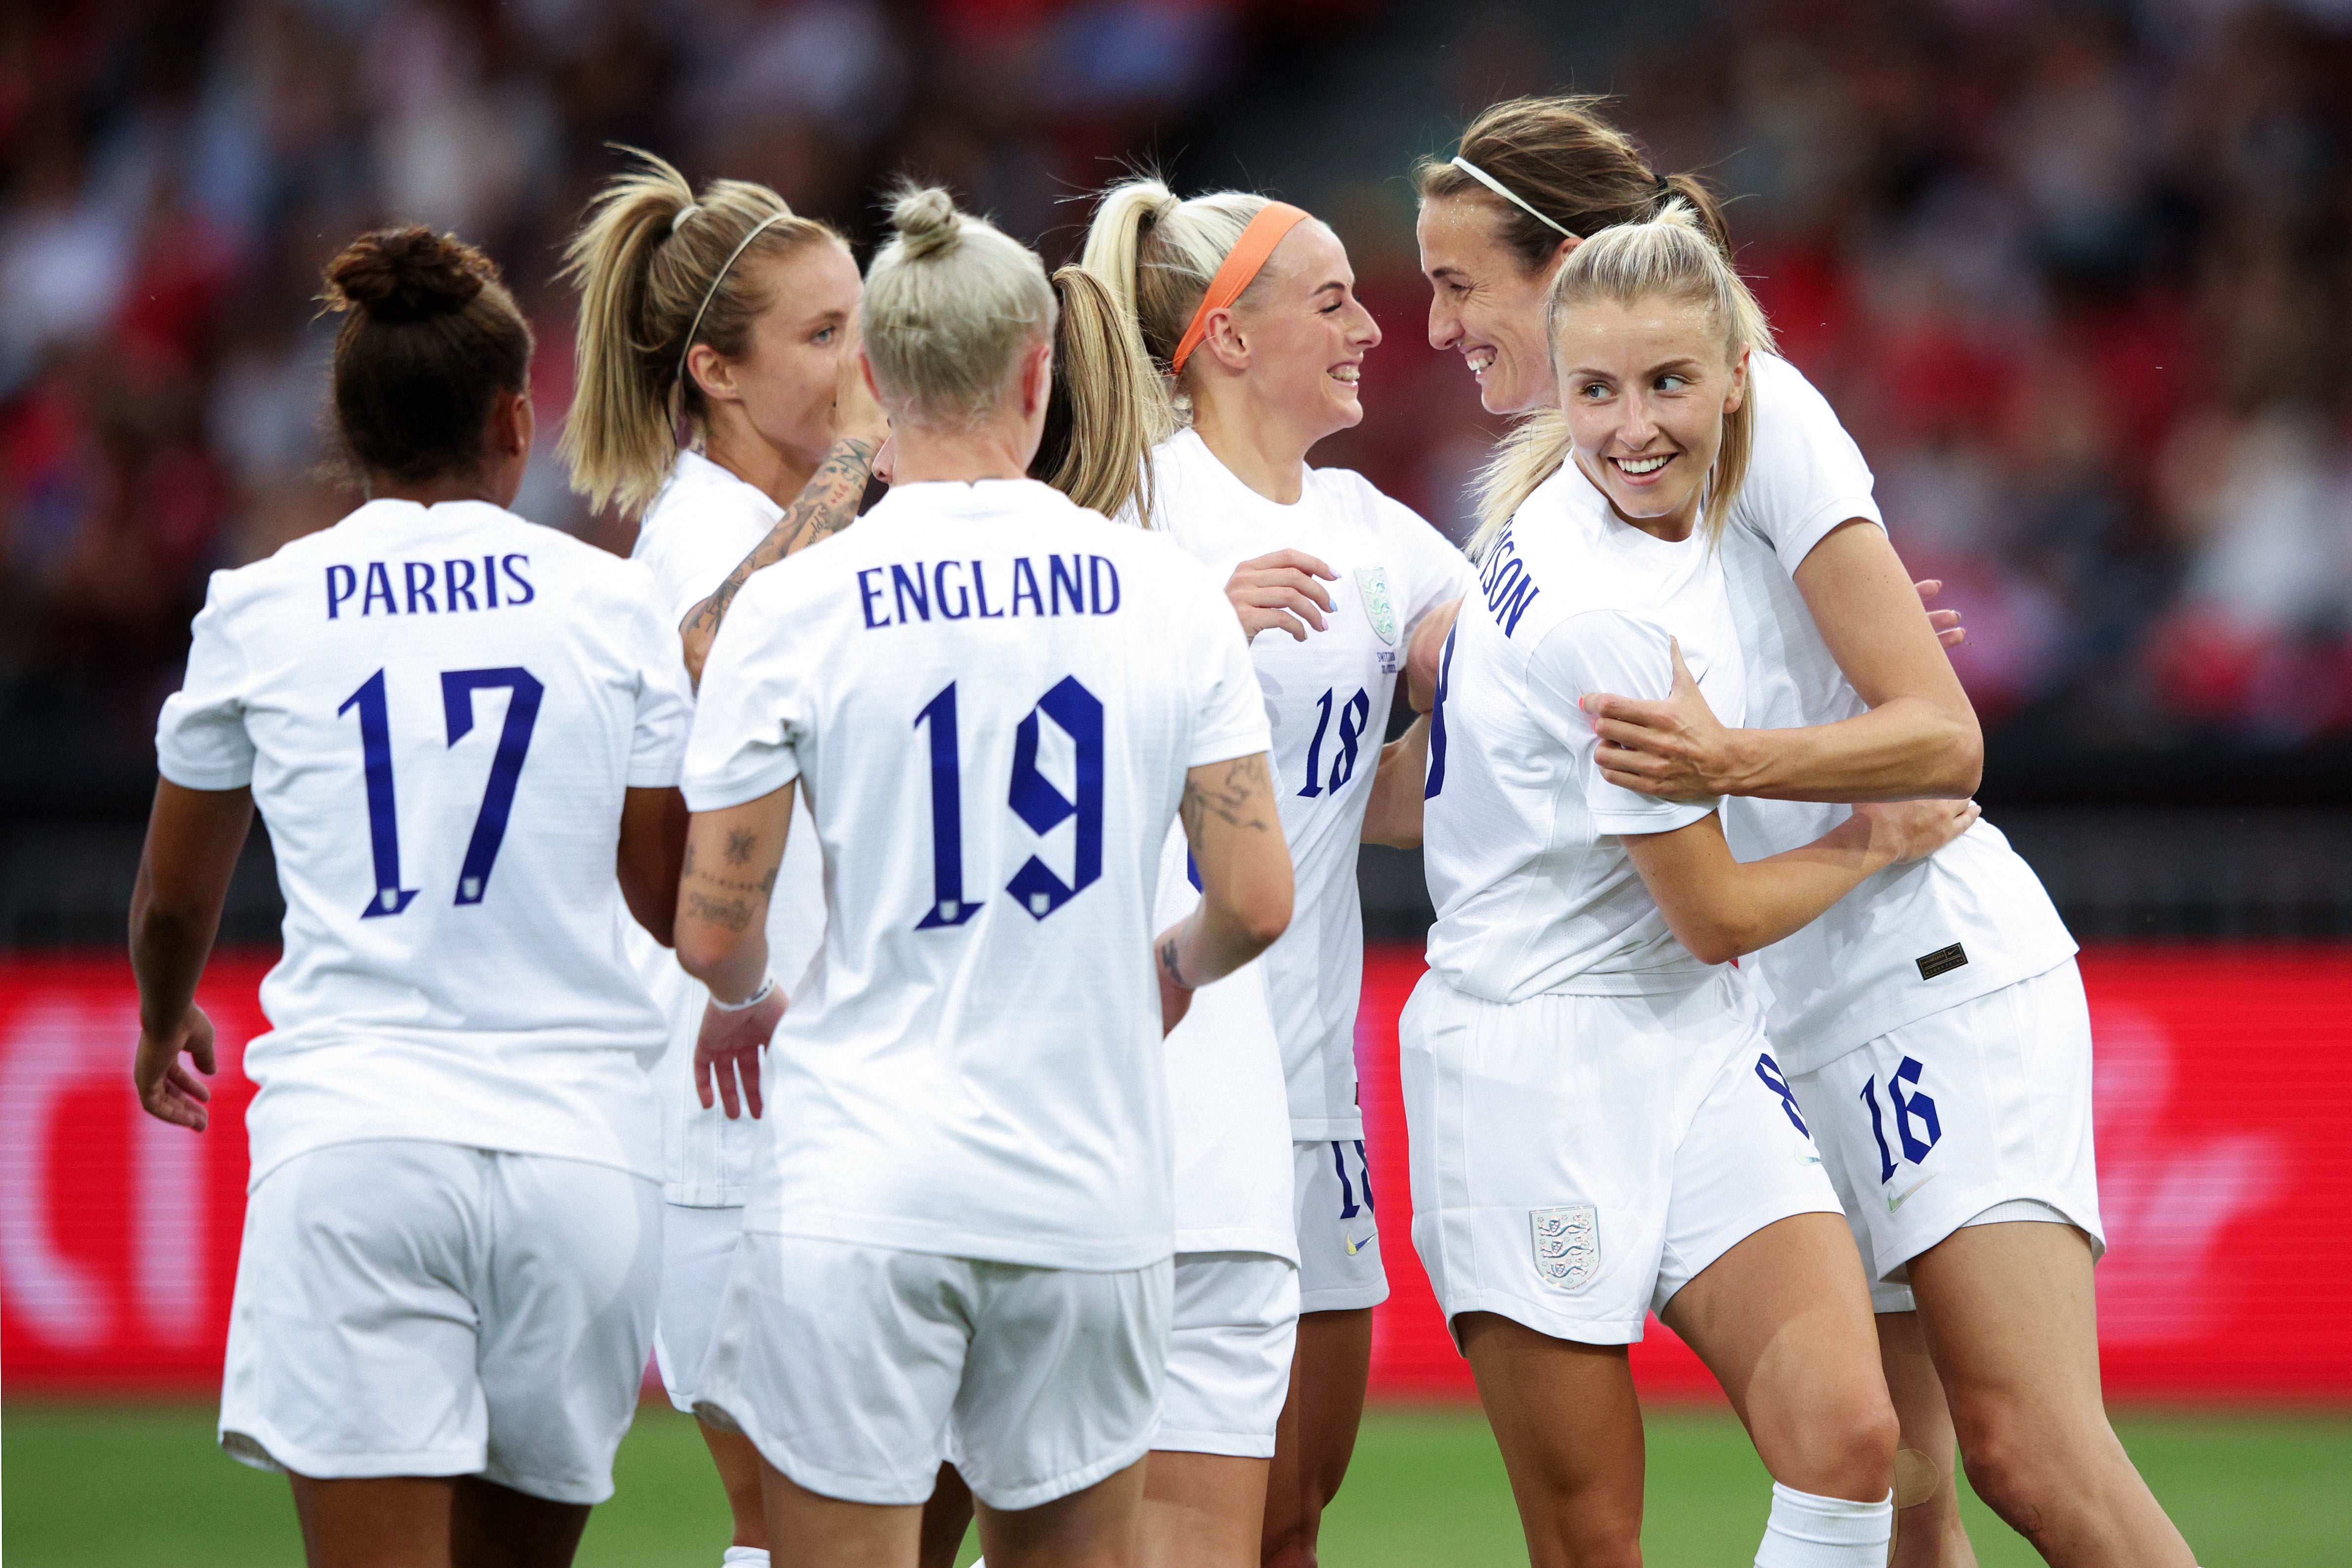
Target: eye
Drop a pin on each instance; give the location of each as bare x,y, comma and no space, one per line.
1672,382
1594,389
825,335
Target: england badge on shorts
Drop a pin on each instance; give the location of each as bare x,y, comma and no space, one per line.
1568,1245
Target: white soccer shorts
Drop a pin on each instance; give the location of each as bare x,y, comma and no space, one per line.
698,1253
1930,1126
1232,1329
1339,1267
857,1369
412,1309
1577,1159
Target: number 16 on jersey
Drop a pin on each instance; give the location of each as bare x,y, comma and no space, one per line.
1034,798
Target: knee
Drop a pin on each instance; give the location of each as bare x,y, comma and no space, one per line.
2010,1462
1845,1449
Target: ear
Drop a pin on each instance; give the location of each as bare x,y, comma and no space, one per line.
513,422
1037,379
1559,254
866,369
712,372
1739,392
1224,341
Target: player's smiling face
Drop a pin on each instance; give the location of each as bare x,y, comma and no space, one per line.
786,381
1484,303
1646,387
1308,334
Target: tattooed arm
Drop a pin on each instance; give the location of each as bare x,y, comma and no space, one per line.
732,857
826,505
1236,834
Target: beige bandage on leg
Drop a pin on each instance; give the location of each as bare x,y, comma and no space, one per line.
1916,1478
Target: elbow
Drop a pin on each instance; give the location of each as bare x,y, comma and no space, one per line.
1264,918
1967,759
1715,940
703,950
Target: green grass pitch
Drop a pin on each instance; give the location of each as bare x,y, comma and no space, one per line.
110,1485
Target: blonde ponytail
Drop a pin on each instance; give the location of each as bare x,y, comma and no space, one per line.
1109,407
1674,254
1158,254
649,259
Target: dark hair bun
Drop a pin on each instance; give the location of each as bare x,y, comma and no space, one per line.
407,275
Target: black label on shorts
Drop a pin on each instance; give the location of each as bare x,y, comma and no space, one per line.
1943,960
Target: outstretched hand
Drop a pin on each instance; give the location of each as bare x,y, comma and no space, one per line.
1280,592
1674,748
727,1050
167,1089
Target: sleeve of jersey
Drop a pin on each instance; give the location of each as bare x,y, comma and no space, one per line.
1436,571
1607,652
1806,475
695,561
751,705
665,697
200,738
1230,720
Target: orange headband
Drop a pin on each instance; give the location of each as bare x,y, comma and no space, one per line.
1242,265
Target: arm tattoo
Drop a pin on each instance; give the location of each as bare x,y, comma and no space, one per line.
740,843
1168,962
734,914
826,505
1245,783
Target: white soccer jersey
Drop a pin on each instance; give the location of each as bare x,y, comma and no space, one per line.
1328,701
438,710
705,522
989,697
1912,940
1533,892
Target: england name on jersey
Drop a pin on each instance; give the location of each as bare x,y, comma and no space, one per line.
1885,954
1534,892
1327,701
989,697
438,710
701,525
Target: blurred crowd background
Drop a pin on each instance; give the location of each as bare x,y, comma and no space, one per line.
2076,274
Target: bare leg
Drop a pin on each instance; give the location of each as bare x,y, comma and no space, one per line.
1098,1528
491,1526
2012,1322
945,1518
1928,1529
1202,1511
738,1463
398,1521
1316,1435
1570,1432
826,1533
1783,1321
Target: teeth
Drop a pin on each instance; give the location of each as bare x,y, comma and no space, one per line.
1481,361
1350,374
1642,464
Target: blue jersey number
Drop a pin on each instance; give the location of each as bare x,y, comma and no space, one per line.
458,688
1352,717
1034,798
1908,1108
1438,717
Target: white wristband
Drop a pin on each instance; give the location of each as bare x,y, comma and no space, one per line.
767,988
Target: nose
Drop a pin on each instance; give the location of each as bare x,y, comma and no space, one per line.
1445,323
1364,332
1639,424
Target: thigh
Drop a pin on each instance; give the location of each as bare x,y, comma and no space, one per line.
1339,1267
841,1364
400,1522
1202,1511
837,1531
1094,1526
1232,1331
1570,1430
2010,1312
567,1322
353,1334
1063,1386
697,1253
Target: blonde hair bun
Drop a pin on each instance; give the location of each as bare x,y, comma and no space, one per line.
925,221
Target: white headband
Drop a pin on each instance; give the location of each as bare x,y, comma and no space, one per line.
716,279
1504,191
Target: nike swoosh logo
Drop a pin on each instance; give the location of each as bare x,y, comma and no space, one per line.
1353,1245
1894,1203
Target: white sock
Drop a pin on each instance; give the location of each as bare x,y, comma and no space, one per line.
745,1557
1809,1531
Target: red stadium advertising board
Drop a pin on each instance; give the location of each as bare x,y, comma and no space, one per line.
2225,1168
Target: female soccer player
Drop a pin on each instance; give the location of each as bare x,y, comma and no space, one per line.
731,315
993,701
1598,1128
455,725
1250,307
1932,1023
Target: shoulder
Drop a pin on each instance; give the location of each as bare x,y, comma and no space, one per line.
1806,475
